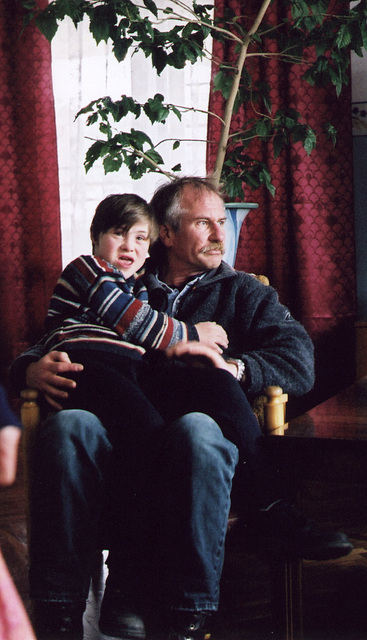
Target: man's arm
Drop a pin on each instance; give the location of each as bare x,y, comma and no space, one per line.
276,349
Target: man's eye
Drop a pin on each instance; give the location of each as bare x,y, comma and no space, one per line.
222,222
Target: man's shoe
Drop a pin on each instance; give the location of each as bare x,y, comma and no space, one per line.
58,620
283,530
119,620
189,626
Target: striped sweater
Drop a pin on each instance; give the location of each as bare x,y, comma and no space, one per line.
93,301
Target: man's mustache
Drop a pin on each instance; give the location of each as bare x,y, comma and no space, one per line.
214,246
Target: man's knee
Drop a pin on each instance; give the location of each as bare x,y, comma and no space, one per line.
73,426
198,435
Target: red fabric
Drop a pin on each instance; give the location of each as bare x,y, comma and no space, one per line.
303,238
30,237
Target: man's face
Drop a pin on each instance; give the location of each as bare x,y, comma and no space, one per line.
199,243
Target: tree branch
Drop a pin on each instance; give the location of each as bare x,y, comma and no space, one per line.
223,141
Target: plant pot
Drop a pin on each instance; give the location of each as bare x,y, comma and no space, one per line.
236,213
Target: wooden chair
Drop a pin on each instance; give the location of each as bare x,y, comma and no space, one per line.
270,409
286,574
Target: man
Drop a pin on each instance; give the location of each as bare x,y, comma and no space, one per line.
181,512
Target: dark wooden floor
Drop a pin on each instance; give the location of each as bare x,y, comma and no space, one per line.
335,592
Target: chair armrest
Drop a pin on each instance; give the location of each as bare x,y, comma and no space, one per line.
274,411
30,416
29,411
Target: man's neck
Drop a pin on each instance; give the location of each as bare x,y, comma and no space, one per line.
177,278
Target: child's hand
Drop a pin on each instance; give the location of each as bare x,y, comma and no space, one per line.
213,335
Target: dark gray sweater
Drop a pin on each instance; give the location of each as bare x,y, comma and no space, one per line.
274,346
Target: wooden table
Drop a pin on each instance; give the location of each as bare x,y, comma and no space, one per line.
326,444
343,417
332,433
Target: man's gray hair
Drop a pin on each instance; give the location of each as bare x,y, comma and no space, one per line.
166,201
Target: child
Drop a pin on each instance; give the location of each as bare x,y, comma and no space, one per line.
95,317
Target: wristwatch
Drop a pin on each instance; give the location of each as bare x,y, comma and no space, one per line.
241,368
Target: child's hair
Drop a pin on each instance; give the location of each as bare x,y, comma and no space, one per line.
122,211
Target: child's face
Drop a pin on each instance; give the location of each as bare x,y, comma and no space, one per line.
126,251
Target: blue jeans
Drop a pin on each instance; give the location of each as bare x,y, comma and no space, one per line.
189,486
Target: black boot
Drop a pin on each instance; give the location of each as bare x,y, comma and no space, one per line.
283,530
119,617
188,625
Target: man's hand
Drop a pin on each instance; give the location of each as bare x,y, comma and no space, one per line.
9,441
46,376
197,354
212,334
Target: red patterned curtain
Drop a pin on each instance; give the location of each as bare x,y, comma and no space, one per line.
303,238
30,253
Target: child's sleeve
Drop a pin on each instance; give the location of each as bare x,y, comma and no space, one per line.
94,283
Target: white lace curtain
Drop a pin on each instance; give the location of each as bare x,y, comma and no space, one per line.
82,72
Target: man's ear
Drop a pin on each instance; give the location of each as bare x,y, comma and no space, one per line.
166,234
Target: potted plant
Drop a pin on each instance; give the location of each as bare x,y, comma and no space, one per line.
178,32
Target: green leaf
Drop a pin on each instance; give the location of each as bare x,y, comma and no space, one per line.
176,111
262,128
102,21
151,6
309,143
330,132
47,24
187,30
299,9
265,178
155,109
177,167
112,163
121,47
93,154
92,119
159,59
138,138
223,82
154,155
105,129
343,37
176,144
